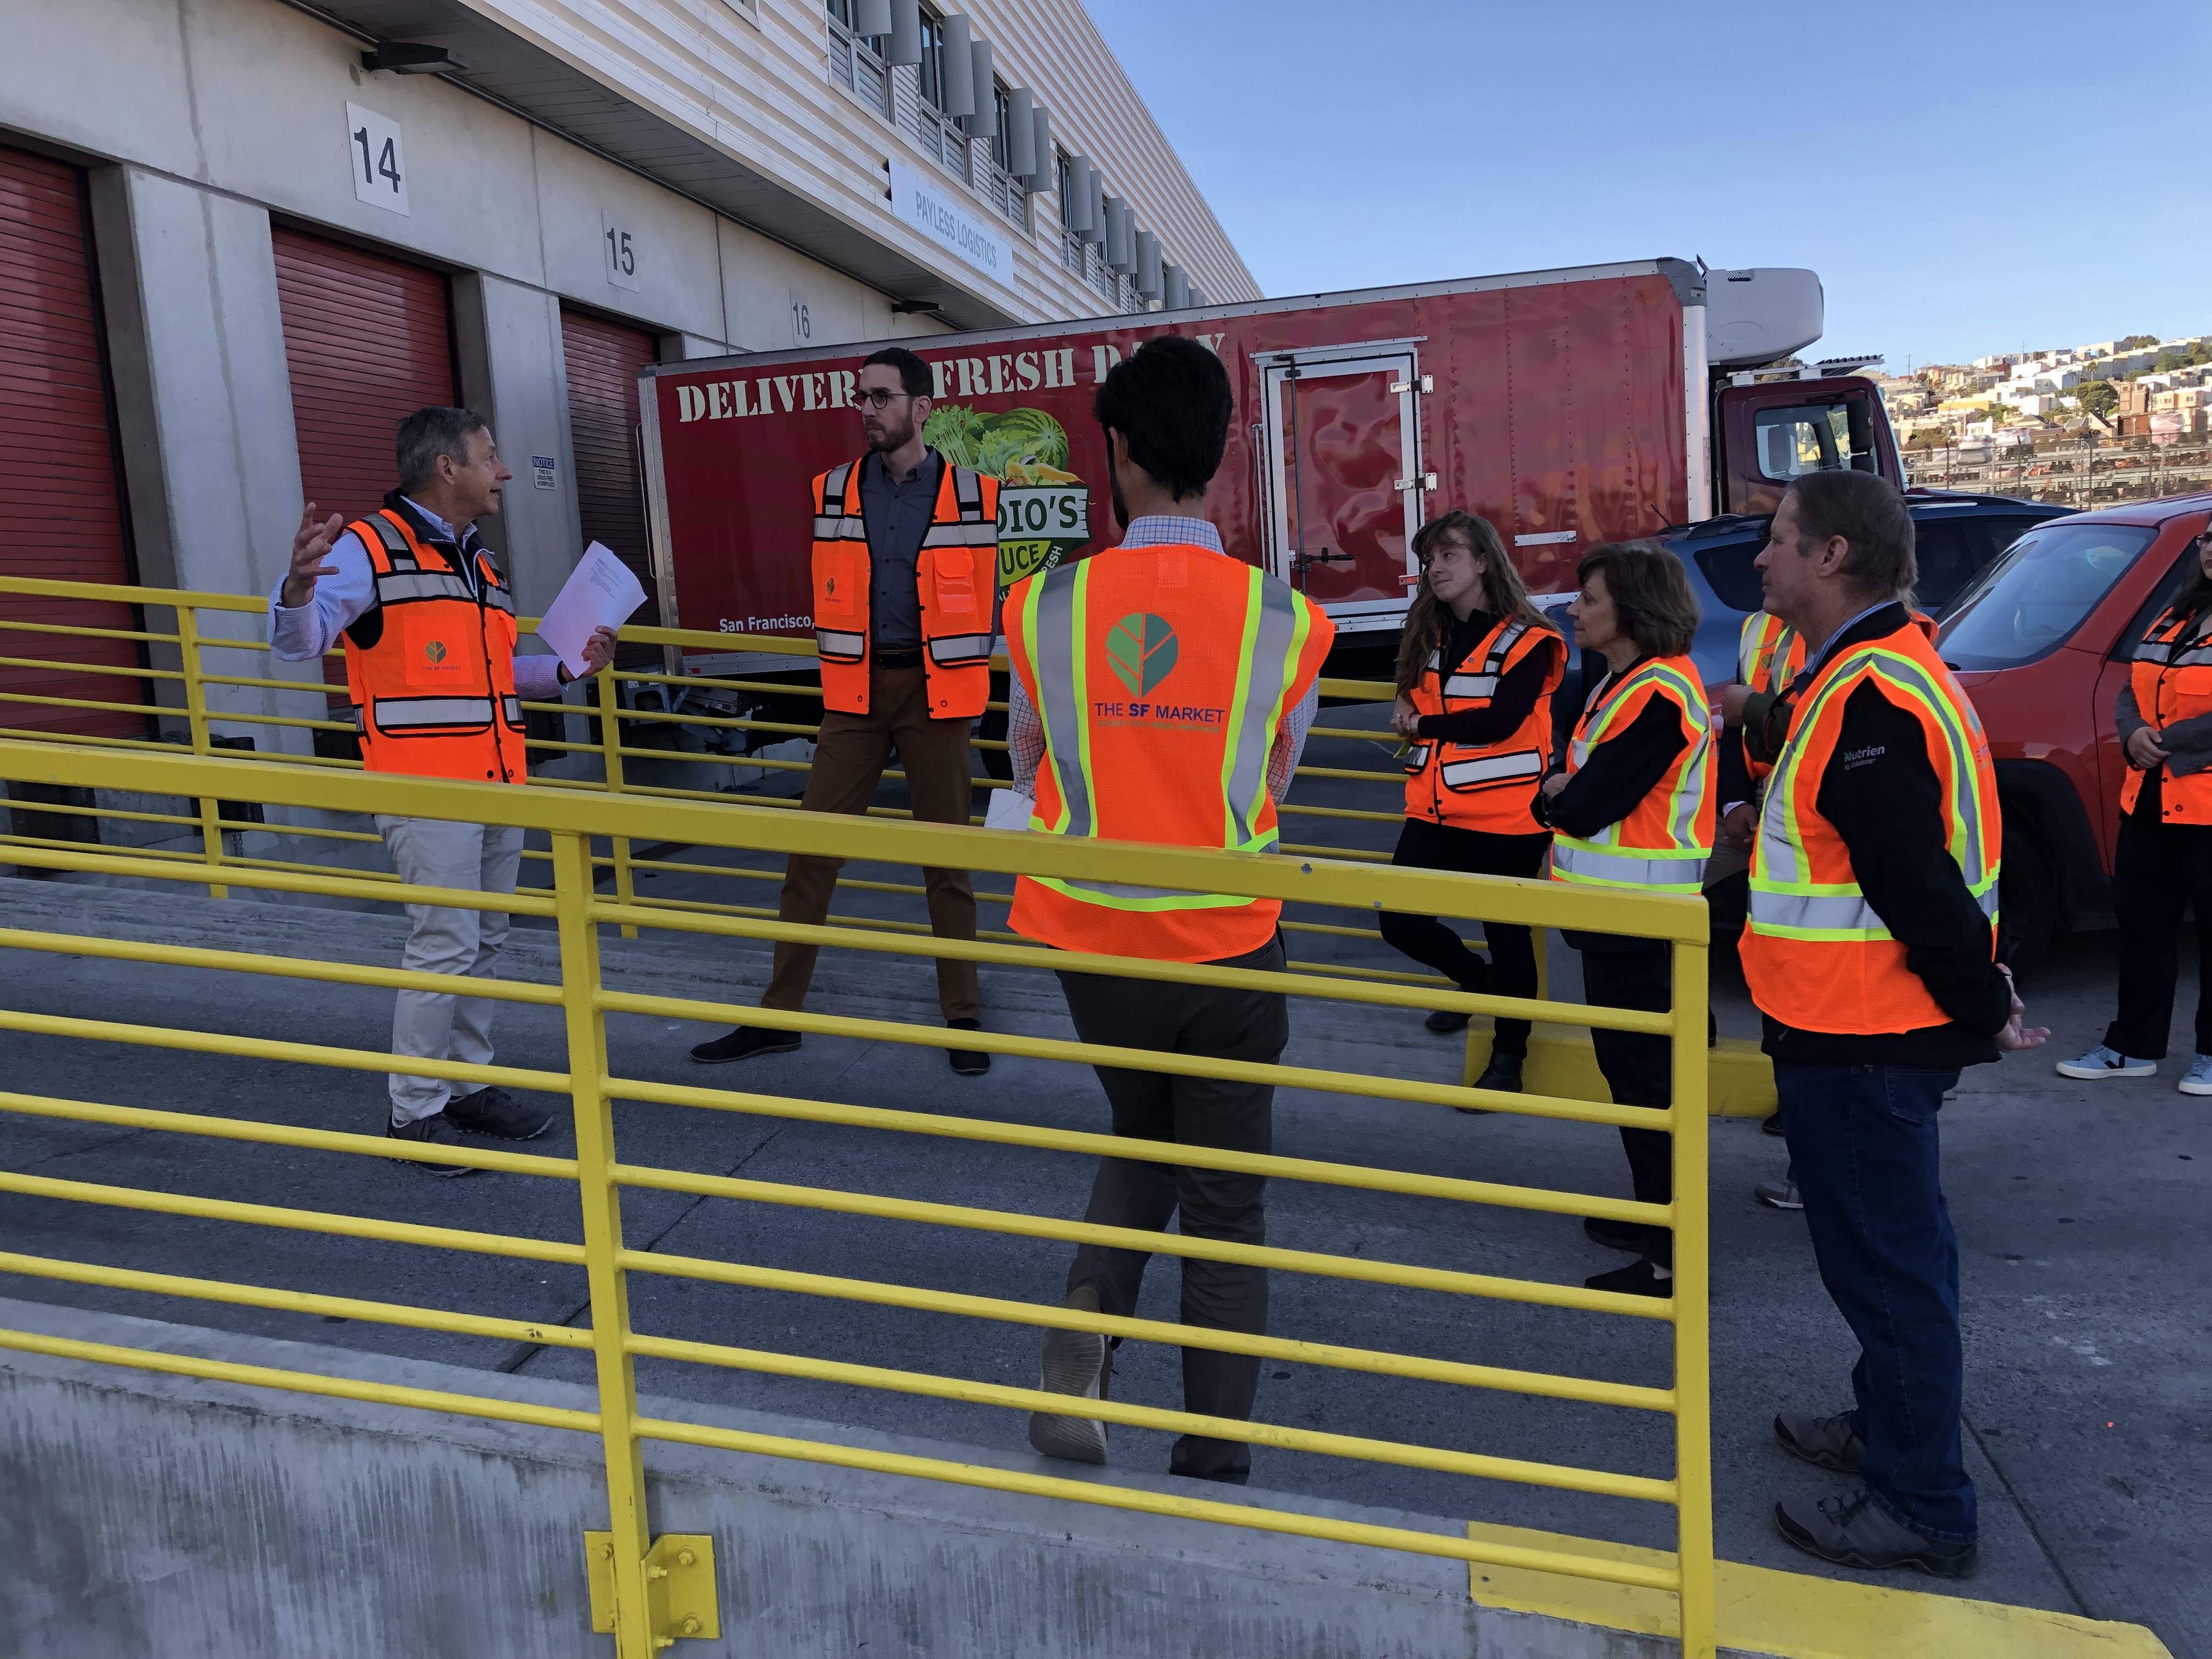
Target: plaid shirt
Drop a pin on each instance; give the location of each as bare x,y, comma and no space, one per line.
1025,731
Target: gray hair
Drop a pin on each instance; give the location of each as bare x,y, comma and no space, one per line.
429,433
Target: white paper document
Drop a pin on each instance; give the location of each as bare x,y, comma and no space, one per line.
600,592
1008,809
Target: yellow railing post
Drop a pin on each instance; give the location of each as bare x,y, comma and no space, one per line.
602,1242
1694,1454
611,746
195,719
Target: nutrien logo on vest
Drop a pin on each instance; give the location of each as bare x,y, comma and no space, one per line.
1140,649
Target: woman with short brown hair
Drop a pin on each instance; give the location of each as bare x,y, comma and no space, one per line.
1632,806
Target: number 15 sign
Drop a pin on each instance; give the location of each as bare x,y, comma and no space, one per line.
380,165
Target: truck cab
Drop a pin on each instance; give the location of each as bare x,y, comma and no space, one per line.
1768,432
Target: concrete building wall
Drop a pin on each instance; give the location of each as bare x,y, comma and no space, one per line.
202,124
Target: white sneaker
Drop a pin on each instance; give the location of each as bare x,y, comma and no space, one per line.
2199,1080
1779,1195
2101,1061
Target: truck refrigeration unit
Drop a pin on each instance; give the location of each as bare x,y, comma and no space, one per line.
1568,407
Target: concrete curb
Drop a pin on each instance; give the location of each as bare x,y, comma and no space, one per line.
183,1518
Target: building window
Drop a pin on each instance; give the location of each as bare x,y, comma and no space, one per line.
1063,171
1002,121
931,71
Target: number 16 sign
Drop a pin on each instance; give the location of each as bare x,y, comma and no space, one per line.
380,165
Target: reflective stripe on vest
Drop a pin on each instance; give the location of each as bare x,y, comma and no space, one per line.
1492,769
1606,859
1273,631
434,713
1785,902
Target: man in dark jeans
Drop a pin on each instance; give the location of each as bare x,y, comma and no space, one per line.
1868,951
1169,619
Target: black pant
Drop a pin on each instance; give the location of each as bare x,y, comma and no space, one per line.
1638,1065
1426,845
1217,1204
2157,868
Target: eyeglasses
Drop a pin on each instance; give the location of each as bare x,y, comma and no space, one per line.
876,399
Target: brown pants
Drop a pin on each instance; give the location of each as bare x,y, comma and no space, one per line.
848,762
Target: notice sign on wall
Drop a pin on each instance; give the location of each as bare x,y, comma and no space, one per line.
939,214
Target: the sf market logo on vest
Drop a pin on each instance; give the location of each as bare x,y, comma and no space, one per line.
1140,649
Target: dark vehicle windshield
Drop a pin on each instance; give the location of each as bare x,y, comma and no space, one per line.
2029,603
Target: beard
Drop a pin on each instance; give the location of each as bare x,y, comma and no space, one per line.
1121,507
891,435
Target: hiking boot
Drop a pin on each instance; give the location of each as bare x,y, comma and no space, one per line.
1444,1022
496,1112
1827,1442
435,1130
744,1043
1780,1195
968,1062
2199,1079
2101,1061
1073,1362
1637,1279
1855,1531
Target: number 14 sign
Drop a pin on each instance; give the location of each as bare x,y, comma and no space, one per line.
380,165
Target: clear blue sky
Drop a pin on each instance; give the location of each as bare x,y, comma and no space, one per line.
1966,178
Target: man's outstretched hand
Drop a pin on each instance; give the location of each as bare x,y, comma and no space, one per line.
311,545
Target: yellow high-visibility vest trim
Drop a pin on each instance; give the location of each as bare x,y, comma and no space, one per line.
1786,897
1640,867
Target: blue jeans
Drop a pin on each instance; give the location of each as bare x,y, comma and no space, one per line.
1864,1143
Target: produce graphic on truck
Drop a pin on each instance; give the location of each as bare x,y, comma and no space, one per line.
1044,510
1568,407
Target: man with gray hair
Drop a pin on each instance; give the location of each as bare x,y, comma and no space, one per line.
437,688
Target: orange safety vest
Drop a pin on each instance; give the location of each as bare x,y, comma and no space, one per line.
1815,954
2171,678
1769,654
955,575
1482,786
431,666
1662,845
1161,676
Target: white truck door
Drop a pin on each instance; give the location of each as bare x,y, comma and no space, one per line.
1340,469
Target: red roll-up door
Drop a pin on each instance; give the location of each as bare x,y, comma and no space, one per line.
61,508
604,360
367,340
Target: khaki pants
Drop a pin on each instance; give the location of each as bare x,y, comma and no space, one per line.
848,762
476,857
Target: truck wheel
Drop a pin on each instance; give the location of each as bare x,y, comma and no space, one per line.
2027,906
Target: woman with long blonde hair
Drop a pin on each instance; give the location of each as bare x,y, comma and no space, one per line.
1477,667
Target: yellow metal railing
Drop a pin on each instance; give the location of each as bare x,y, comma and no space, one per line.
178,668
572,820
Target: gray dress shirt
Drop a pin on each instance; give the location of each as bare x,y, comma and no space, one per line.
897,511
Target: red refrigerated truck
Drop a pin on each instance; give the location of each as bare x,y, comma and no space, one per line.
1569,407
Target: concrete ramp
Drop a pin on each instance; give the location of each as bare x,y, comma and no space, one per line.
181,1518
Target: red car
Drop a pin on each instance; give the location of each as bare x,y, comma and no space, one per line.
2041,641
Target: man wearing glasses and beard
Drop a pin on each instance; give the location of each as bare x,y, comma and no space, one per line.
905,564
